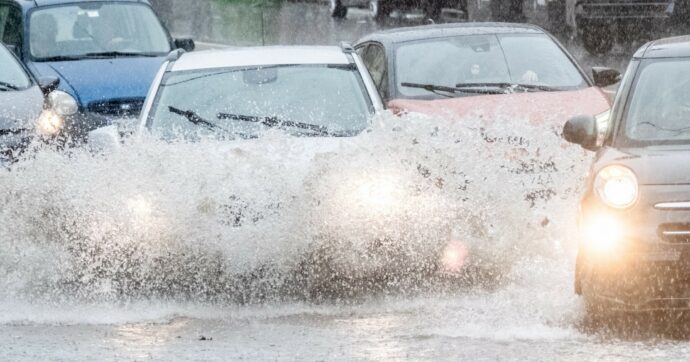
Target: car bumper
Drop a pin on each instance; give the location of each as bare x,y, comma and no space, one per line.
648,267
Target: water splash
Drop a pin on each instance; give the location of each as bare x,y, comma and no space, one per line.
287,218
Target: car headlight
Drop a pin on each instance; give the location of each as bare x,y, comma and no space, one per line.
52,120
616,186
62,103
378,194
49,123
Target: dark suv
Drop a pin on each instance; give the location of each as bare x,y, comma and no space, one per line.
601,22
634,221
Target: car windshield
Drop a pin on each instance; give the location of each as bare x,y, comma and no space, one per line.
91,28
12,75
304,100
527,59
660,103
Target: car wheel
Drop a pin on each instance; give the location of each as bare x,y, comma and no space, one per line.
336,9
379,9
597,39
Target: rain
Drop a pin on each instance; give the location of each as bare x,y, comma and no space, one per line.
221,180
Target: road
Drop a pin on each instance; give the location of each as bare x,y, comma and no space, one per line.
533,315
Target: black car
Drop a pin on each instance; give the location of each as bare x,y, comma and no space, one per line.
381,9
24,113
634,250
601,22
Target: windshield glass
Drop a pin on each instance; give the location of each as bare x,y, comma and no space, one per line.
516,59
660,102
12,75
77,30
305,100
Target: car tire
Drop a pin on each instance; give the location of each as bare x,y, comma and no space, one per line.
379,9
597,39
336,9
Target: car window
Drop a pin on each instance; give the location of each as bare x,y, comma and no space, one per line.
374,59
79,29
484,59
10,25
330,97
12,74
660,102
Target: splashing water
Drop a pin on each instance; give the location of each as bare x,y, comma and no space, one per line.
414,204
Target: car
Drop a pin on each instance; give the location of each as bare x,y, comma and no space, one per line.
104,52
488,70
381,9
29,108
314,91
601,22
634,217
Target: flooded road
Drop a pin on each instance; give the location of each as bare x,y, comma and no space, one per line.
132,259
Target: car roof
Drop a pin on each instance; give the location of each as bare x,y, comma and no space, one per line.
674,47
260,55
413,33
39,3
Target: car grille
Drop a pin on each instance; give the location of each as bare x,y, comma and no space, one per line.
675,233
625,8
118,108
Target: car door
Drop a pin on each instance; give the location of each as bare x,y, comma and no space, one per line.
374,58
11,26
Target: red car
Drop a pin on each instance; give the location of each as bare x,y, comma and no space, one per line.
483,70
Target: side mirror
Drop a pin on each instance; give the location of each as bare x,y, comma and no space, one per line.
48,84
582,130
604,77
185,43
104,140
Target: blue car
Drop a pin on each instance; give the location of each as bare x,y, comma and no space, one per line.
105,53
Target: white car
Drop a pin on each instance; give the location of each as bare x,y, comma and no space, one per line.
308,91
236,93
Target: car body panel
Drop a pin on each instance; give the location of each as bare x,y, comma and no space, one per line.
270,55
91,80
535,107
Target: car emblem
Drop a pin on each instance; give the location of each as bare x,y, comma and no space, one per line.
125,106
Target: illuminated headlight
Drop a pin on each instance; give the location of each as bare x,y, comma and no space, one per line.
52,120
602,233
378,194
49,123
62,103
616,186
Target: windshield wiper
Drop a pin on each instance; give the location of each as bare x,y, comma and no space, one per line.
59,58
196,119
506,85
117,54
433,88
8,86
275,122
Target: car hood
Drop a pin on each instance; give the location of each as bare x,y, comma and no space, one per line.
535,107
26,105
659,165
90,80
